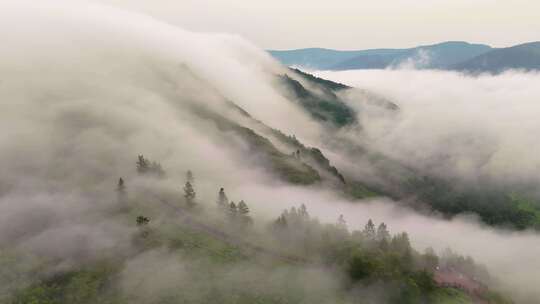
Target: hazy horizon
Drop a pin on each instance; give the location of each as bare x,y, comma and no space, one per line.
352,25
404,47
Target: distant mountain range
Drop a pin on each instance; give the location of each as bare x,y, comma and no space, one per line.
452,55
524,56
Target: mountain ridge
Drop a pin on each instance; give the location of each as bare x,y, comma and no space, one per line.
525,56
450,55
321,58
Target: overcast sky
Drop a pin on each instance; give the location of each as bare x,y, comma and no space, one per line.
352,24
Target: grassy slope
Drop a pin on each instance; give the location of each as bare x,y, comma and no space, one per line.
450,296
284,166
312,156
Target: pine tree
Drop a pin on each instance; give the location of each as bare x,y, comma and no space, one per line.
285,214
189,177
243,211
401,243
369,230
303,212
281,221
145,166
382,233
142,220
293,214
189,194
341,223
222,201
121,187
233,210
142,165
243,208
407,258
157,169
431,260
121,190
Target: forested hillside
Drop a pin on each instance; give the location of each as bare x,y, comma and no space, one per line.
199,251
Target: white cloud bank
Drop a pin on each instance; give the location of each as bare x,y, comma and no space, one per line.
474,126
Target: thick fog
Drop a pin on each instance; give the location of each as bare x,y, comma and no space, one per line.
455,124
85,88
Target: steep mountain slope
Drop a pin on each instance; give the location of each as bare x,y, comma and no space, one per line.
439,55
323,106
293,162
524,57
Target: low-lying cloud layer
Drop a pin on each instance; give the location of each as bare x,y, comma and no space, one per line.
456,124
475,128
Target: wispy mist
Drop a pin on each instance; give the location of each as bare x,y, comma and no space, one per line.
456,124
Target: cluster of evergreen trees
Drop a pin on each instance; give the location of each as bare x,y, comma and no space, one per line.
234,211
370,255
189,190
239,212
145,166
